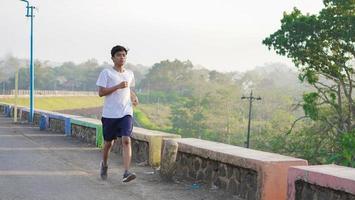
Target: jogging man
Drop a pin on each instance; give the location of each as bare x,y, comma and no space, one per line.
117,116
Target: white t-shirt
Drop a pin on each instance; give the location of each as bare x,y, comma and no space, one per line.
117,104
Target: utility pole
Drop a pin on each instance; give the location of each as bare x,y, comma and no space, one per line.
251,99
29,14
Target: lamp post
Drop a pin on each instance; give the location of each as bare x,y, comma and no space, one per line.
29,14
251,99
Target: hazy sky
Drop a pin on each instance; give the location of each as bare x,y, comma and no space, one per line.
224,35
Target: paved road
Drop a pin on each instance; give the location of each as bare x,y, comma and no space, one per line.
40,165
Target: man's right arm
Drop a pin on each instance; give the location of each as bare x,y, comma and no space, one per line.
107,91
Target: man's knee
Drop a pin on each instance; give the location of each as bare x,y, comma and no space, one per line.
108,144
126,141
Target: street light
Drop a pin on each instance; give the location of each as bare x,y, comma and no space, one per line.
29,14
251,99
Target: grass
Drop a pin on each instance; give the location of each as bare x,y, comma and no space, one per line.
143,120
59,103
159,115
150,116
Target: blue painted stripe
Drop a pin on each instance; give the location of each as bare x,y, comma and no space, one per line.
67,128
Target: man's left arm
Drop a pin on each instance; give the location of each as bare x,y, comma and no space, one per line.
134,98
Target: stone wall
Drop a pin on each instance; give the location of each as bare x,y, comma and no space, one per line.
24,115
87,134
321,182
245,173
56,125
19,113
36,117
150,142
2,108
140,150
238,181
307,191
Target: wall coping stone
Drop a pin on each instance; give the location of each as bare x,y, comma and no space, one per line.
145,134
230,154
330,176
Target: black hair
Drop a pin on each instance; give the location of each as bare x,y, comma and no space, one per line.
116,49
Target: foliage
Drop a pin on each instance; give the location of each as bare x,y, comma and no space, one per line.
322,47
346,154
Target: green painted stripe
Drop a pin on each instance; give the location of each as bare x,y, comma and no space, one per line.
84,123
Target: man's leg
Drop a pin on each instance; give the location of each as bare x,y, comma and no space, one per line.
127,155
127,152
105,154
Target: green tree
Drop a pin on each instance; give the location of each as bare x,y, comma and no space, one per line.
189,117
167,76
322,47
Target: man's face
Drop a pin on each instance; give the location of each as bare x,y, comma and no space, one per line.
119,58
